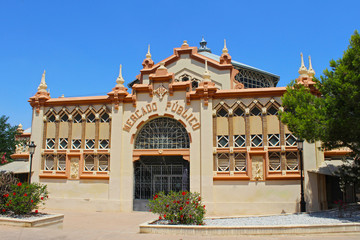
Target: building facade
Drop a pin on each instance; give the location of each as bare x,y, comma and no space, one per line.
194,121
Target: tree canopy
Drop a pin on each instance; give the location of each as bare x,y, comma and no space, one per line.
7,137
330,112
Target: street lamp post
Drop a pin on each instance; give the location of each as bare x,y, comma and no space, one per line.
300,146
32,147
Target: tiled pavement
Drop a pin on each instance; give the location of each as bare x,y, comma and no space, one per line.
104,225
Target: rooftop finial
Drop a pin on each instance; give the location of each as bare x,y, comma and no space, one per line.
42,87
162,65
302,69
185,44
203,47
311,71
120,80
206,75
225,50
148,55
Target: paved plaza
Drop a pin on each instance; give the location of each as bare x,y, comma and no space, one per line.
104,225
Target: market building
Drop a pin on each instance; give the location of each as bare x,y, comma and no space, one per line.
194,121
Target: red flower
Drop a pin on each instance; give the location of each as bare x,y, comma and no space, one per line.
178,201
174,201
204,206
19,184
183,193
7,204
172,220
6,195
149,210
199,198
187,202
32,200
189,216
36,211
167,205
14,193
182,216
42,198
164,215
181,208
3,210
159,217
25,195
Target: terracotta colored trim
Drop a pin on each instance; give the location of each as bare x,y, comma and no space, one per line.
160,152
78,101
140,123
20,156
257,152
282,177
169,115
250,92
62,176
89,175
74,154
132,138
49,151
103,151
231,178
337,152
152,116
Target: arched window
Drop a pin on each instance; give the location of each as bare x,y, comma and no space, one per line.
162,133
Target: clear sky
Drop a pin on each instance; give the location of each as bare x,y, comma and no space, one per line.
82,43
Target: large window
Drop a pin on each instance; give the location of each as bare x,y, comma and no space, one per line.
162,133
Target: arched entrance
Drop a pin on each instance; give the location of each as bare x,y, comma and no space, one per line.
160,170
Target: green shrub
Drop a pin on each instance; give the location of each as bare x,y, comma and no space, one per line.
178,207
24,198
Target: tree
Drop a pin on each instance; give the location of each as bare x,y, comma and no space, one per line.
330,112
7,138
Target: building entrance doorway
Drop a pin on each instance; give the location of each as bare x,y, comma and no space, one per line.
153,174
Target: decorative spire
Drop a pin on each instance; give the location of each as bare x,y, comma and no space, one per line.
20,128
203,47
148,55
120,80
42,87
311,71
302,70
206,75
162,65
225,50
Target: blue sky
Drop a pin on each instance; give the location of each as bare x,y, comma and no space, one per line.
82,43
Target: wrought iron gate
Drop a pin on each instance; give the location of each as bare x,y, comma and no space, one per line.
153,174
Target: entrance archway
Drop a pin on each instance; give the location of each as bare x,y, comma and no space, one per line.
160,170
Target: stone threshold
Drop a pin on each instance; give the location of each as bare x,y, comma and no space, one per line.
44,220
248,230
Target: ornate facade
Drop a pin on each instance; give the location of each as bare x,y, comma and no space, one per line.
194,121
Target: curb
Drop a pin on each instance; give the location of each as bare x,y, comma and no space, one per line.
39,222
248,230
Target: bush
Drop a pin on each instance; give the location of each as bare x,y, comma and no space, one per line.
178,207
24,198
7,179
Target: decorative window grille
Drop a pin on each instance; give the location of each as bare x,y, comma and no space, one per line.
64,118
103,162
50,143
77,118
256,140
223,141
272,110
49,162
292,163
239,140
255,111
194,83
76,144
252,79
51,118
89,163
223,162
104,144
274,161
105,117
90,118
61,162
162,133
90,143
63,143
238,112
240,162
273,140
222,113
290,140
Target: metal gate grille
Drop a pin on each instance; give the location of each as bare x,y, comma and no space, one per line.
155,174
